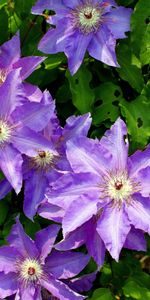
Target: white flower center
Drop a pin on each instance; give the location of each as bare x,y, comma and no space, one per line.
43,160
2,76
30,270
87,17
5,132
119,187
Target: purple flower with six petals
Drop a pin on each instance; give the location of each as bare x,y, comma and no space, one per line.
92,25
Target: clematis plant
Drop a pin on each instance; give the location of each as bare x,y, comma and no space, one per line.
107,184
28,271
92,25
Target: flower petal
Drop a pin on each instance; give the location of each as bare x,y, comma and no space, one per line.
28,65
21,241
45,239
32,114
83,283
10,52
8,284
11,165
5,188
59,289
33,93
77,126
102,47
51,212
143,179
29,142
135,240
65,265
139,160
113,227
94,243
70,187
79,212
40,6
118,21
34,192
75,49
87,155
8,258
11,93
114,141
139,213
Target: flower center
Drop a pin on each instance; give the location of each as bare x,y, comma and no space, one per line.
31,270
43,160
5,132
87,17
119,187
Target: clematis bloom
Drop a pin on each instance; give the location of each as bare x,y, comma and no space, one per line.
92,25
106,183
27,269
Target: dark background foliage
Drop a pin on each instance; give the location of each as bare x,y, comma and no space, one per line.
107,93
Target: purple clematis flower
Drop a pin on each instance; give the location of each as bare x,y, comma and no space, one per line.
46,166
107,184
92,25
27,271
20,120
10,59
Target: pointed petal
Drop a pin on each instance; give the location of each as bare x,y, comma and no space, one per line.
94,243
34,193
21,241
8,284
113,227
29,142
65,265
11,93
87,155
33,93
51,212
40,6
143,179
77,126
83,283
70,187
79,212
8,258
59,289
114,141
35,115
28,65
139,160
73,240
10,52
139,213
118,21
5,188
28,292
45,239
76,47
102,47
135,240
11,165
72,3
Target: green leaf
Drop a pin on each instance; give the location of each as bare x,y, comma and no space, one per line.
53,61
134,290
130,70
138,120
145,47
82,94
102,294
109,94
139,24
3,25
